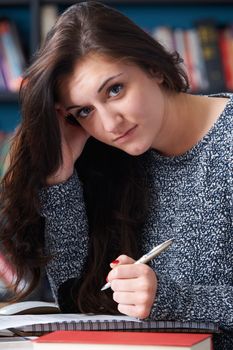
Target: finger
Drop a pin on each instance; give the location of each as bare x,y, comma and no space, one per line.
60,110
65,123
122,259
128,310
124,285
137,311
129,271
61,113
132,298
132,284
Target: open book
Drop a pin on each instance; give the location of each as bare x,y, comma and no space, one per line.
29,307
40,324
43,317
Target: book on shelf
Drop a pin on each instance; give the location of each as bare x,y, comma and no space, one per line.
226,50
207,52
180,45
8,276
11,53
209,41
7,273
164,35
48,17
189,60
5,142
3,85
195,62
3,65
184,46
186,43
122,340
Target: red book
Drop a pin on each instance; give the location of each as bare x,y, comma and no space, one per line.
94,340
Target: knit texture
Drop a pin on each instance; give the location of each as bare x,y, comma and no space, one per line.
191,200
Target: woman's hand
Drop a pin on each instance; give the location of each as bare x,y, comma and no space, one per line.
134,286
73,140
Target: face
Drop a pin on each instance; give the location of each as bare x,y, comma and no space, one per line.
115,102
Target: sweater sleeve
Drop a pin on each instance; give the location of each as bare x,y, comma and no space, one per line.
66,231
212,303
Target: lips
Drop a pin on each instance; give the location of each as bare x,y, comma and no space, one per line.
125,134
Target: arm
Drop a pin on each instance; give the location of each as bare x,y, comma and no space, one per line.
141,293
198,302
62,206
66,230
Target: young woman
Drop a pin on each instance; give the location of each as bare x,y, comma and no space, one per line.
113,157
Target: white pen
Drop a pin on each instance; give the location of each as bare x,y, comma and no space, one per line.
149,256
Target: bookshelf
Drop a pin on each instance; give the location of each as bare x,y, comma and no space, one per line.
24,13
146,13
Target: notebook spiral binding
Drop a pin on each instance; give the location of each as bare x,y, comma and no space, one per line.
116,325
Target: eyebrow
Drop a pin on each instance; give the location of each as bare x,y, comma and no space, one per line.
99,90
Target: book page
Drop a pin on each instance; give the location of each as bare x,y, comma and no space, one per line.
17,321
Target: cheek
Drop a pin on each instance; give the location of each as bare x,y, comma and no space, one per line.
93,128
133,110
141,105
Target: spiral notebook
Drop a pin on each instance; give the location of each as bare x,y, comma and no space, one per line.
40,324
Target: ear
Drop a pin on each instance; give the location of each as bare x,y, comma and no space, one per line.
158,76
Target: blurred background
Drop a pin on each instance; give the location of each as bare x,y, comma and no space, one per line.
201,31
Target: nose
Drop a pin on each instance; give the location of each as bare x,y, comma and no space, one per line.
111,120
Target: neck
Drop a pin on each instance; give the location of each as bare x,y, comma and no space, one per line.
187,118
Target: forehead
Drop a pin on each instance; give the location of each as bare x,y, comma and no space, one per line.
99,60
91,72
96,68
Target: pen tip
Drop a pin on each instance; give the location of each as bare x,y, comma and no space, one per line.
106,286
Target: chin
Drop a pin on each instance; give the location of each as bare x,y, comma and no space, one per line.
137,150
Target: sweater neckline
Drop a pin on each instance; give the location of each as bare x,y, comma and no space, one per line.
196,149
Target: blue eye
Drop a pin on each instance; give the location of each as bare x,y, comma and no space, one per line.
83,112
115,90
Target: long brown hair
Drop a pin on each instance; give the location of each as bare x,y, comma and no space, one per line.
113,182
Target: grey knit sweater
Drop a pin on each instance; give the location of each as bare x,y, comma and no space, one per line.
191,199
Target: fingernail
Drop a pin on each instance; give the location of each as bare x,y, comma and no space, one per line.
115,262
